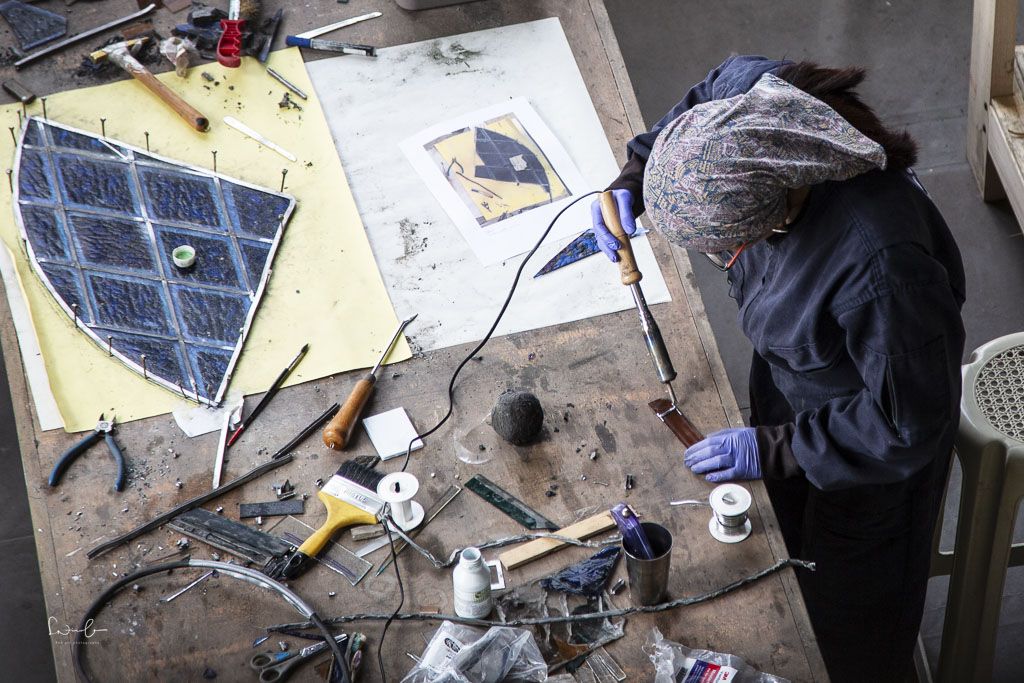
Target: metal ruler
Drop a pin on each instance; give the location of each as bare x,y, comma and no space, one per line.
509,504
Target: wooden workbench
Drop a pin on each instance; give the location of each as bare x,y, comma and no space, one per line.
594,378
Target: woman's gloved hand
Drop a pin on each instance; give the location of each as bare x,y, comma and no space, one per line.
606,242
726,455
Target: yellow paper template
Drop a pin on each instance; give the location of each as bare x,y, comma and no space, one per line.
493,200
325,289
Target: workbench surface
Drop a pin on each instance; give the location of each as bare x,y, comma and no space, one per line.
593,377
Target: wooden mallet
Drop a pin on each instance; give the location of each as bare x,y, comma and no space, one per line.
119,54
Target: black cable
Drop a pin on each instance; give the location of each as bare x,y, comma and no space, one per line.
494,326
401,597
340,670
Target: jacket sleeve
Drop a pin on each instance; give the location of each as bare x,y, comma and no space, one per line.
735,76
906,338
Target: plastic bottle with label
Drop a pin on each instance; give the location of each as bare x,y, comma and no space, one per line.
472,581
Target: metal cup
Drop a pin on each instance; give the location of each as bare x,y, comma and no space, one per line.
648,579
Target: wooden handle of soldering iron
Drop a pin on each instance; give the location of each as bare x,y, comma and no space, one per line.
173,100
627,262
339,431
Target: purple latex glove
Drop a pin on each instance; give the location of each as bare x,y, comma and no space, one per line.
606,242
726,455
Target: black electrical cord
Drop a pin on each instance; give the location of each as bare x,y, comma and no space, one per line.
451,407
494,326
339,672
401,597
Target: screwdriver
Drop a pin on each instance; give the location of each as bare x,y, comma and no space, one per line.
631,277
339,431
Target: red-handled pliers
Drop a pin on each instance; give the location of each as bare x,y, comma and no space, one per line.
104,430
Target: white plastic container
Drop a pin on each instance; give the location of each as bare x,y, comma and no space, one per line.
472,581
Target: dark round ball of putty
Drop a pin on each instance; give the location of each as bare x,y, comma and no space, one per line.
517,417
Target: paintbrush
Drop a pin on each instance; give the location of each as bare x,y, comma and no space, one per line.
350,497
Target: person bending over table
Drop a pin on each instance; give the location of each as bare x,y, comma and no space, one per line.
849,286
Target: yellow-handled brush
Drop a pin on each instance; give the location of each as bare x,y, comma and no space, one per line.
350,498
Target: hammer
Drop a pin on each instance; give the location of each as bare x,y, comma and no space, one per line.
119,54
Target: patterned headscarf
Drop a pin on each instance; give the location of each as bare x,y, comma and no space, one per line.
718,174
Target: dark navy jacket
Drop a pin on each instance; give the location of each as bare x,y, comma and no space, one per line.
857,314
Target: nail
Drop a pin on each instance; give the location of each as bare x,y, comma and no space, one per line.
20,123
214,153
23,110
43,101
284,172
147,140
182,390
13,136
144,373
10,179
110,345
103,126
74,310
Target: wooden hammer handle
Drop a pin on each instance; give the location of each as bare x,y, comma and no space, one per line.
627,262
173,99
338,432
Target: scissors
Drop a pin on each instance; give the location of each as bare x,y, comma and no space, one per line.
273,667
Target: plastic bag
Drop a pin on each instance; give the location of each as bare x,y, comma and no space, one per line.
178,50
675,663
462,654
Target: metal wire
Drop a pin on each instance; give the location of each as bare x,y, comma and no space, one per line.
571,618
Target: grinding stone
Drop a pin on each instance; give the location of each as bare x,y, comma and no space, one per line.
517,417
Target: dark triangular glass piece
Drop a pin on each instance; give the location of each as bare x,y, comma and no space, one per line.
33,25
505,159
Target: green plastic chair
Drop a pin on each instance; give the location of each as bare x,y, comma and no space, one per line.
990,448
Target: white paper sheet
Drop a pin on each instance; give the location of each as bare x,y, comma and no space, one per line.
372,105
31,355
498,219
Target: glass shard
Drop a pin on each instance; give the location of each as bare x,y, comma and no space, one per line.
100,221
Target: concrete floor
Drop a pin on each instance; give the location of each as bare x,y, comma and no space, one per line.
918,56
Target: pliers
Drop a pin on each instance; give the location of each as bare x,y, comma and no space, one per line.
104,429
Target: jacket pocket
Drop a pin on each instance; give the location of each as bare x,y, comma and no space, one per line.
806,358
916,391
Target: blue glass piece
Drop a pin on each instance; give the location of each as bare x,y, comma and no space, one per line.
497,151
45,230
181,198
255,255
102,220
65,282
112,242
33,134
588,577
94,184
163,356
34,177
210,317
129,303
255,212
580,248
72,140
216,261
209,366
147,160
34,26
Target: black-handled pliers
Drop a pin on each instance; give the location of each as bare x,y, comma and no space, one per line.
104,430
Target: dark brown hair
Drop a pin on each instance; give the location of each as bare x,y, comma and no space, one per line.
835,87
